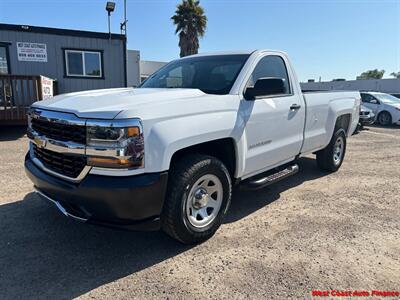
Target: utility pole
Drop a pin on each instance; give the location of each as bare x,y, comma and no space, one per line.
125,20
123,28
124,24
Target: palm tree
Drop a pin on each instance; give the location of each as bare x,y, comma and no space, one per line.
191,24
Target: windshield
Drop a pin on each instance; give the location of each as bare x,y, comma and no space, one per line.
386,98
210,74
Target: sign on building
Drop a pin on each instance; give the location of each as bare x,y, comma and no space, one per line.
47,87
31,52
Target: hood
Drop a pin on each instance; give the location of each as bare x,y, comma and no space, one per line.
108,103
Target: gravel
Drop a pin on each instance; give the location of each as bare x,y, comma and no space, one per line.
312,231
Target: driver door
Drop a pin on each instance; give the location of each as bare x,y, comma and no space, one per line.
274,128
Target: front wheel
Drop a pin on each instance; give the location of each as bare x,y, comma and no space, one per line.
384,118
331,158
198,197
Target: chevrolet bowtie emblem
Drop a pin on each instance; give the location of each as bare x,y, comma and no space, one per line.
40,142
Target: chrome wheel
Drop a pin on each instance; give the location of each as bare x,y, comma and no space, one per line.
338,150
204,201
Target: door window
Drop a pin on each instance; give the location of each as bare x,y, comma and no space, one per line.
366,98
3,60
271,66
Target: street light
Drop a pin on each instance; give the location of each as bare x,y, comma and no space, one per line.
110,6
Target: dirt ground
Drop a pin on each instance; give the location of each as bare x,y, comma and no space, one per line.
313,231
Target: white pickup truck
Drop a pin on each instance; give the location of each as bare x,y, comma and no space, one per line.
166,154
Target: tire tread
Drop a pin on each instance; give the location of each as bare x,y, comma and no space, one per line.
180,174
324,156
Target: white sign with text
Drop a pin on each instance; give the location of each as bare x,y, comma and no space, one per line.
47,87
31,52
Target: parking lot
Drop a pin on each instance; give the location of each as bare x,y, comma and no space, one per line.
313,231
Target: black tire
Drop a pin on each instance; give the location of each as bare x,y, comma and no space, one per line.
326,157
384,118
183,176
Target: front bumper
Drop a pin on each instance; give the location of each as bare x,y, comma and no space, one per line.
367,120
131,202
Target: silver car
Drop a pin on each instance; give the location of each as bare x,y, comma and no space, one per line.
386,107
367,117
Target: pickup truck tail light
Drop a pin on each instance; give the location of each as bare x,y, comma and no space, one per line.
358,103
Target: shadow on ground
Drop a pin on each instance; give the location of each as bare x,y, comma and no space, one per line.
11,133
44,255
392,126
245,203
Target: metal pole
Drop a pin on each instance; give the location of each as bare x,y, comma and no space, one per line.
109,25
126,44
125,19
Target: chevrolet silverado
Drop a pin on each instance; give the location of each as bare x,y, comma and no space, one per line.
166,155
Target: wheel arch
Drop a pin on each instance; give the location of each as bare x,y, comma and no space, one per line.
343,121
224,149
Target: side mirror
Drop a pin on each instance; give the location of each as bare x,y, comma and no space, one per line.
374,101
265,87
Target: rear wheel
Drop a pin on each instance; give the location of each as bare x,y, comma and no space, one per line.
384,118
199,194
331,158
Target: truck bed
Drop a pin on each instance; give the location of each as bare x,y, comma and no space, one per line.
320,119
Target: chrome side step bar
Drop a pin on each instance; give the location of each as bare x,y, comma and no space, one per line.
270,178
60,207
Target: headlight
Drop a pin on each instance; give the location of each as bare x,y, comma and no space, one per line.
98,136
115,144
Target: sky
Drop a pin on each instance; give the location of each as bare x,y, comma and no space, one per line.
324,38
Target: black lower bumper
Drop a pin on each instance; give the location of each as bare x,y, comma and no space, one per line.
132,202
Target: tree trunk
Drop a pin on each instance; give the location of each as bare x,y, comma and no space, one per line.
188,44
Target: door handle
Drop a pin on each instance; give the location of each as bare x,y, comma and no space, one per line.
295,106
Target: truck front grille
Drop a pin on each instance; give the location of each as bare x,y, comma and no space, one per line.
59,131
67,165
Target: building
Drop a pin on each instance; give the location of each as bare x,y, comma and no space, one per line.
147,68
77,60
390,86
139,70
38,62
133,76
